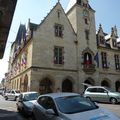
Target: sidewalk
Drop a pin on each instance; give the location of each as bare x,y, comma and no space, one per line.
1,97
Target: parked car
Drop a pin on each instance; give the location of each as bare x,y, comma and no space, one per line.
69,106
102,94
25,102
1,91
11,94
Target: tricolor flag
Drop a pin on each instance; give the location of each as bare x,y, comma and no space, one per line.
24,60
96,58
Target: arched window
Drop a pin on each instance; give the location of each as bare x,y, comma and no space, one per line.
117,86
26,83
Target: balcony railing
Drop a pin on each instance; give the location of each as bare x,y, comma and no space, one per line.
89,68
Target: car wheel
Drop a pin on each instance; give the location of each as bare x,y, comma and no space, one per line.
113,100
18,109
33,117
15,99
88,98
6,98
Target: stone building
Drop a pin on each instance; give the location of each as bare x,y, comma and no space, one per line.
7,8
64,52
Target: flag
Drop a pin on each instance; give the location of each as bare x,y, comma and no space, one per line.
96,58
87,61
24,60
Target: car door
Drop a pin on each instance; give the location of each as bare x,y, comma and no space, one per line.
102,95
50,105
12,95
9,94
91,93
20,101
43,104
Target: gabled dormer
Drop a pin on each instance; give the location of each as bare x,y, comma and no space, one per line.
30,28
100,36
114,36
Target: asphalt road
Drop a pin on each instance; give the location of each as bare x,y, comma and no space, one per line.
8,110
111,107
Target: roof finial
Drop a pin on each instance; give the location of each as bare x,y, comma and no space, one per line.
58,0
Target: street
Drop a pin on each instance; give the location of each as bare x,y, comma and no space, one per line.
8,110
111,107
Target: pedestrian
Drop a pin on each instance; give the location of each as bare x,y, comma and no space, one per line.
58,90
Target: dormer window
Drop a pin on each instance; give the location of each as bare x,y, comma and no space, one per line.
114,43
101,39
84,4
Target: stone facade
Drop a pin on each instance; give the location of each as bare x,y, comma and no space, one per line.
63,52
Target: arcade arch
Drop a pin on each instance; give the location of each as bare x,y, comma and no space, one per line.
67,85
117,86
45,86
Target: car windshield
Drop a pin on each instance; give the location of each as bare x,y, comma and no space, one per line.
74,104
17,91
109,89
31,96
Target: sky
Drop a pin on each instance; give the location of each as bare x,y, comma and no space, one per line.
107,14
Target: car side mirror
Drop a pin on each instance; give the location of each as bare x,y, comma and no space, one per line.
20,100
105,91
50,112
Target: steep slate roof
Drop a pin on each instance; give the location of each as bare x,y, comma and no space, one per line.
21,34
33,26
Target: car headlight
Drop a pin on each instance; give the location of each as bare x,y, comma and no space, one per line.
118,97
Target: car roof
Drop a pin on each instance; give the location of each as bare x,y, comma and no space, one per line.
96,87
59,94
29,92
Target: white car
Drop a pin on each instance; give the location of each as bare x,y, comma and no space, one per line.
25,102
69,106
12,94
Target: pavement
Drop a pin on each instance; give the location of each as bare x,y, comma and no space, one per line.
8,110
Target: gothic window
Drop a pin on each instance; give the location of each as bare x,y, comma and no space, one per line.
104,59
87,58
58,30
117,65
87,34
58,55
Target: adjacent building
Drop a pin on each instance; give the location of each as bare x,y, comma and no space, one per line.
64,52
7,8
